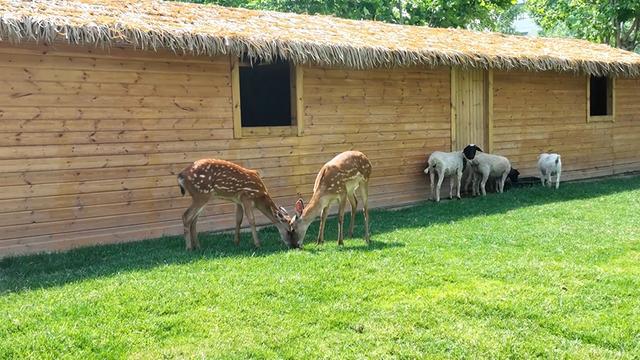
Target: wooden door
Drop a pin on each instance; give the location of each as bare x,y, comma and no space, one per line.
470,104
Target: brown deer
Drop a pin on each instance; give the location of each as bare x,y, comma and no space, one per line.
208,178
338,181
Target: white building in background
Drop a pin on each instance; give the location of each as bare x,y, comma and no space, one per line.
524,24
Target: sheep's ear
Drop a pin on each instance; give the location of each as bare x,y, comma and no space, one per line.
478,149
299,206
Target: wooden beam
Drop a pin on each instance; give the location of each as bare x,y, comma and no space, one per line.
490,110
588,107
453,109
613,99
235,93
299,71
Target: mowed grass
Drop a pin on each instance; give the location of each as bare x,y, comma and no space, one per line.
531,273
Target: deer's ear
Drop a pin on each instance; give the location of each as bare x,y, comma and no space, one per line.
299,206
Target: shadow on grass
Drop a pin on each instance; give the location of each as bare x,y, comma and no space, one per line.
30,272
46,270
429,213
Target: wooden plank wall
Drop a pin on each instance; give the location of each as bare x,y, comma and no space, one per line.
91,141
396,118
626,134
546,112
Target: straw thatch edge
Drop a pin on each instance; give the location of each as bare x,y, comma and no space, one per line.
22,29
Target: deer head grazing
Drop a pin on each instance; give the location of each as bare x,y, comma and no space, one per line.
337,181
208,178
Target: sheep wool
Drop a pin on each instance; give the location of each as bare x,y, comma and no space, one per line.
445,164
549,165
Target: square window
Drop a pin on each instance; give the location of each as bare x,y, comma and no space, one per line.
265,95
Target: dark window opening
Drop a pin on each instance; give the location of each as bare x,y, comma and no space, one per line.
265,95
600,96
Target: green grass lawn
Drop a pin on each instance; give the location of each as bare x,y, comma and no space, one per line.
531,273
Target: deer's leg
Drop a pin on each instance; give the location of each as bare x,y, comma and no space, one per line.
247,204
239,216
323,220
364,194
189,219
354,208
194,231
343,204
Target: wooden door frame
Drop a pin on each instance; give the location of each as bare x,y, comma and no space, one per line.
488,108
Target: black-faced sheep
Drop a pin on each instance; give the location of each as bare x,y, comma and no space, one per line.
488,165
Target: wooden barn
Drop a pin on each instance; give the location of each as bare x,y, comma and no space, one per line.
103,102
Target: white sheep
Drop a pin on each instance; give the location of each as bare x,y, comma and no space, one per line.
445,164
487,165
549,165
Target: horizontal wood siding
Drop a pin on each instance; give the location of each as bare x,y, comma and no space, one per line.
546,112
626,134
90,142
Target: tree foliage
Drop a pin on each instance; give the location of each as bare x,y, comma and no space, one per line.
474,14
613,22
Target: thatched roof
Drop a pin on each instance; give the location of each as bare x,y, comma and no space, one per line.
323,40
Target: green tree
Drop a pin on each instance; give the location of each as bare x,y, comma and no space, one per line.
474,14
613,22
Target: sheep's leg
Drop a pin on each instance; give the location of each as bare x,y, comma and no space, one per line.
542,175
431,180
504,178
459,181
450,187
549,184
558,179
475,184
440,179
483,184
467,182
